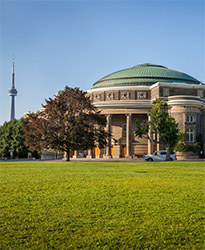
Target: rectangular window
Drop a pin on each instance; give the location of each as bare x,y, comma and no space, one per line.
190,118
124,128
190,135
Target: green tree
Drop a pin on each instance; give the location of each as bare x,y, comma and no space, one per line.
12,139
67,122
181,146
161,123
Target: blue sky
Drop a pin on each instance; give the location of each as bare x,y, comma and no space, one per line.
75,43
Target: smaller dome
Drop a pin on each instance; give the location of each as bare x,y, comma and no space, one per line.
149,65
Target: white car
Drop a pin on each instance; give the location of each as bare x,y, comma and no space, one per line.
160,156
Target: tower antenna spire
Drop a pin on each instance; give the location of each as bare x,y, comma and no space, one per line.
13,63
12,74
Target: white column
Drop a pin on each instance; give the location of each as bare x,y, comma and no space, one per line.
158,145
128,136
75,154
150,145
108,149
89,156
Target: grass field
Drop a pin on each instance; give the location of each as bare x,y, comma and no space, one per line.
102,205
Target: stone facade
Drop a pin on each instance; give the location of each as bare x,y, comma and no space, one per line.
125,105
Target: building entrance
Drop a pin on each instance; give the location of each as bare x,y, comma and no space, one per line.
123,150
112,150
71,153
97,151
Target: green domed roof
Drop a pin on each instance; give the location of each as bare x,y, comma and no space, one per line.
144,74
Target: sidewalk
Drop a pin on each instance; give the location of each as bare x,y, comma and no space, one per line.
97,160
124,160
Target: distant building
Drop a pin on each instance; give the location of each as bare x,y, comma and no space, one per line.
12,93
126,96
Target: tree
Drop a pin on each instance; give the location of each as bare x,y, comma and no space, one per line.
12,139
67,122
162,124
197,147
32,128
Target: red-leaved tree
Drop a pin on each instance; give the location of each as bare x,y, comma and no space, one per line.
67,122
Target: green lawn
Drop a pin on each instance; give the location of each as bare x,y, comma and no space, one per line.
102,205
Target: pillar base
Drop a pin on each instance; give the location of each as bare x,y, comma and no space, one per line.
107,156
128,156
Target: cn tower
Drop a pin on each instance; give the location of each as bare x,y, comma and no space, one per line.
12,93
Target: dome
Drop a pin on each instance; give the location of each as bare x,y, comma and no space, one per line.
144,74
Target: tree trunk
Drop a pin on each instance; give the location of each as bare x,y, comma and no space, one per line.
168,153
68,155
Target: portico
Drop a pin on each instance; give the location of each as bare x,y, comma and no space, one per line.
122,141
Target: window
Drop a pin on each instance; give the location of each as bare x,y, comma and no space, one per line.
190,118
163,153
190,135
124,128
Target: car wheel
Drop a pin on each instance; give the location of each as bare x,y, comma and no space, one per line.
150,159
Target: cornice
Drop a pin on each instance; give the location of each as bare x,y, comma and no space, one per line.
186,102
119,88
142,87
184,97
177,85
